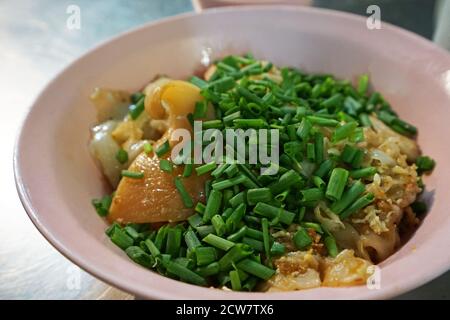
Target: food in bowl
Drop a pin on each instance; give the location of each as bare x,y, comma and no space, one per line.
319,180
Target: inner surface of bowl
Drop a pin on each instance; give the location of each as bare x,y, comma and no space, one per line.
57,178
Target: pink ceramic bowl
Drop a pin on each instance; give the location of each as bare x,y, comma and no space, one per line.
57,178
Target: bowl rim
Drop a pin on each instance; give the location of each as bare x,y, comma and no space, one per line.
155,293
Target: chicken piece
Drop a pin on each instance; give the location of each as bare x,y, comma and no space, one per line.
155,197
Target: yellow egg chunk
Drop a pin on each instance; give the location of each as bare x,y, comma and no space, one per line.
154,198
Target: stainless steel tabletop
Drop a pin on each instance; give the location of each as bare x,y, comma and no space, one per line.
35,44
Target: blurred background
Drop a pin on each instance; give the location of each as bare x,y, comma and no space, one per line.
35,44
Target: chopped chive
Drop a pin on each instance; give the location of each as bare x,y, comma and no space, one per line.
163,149
203,231
218,242
310,152
348,197
219,224
271,212
287,180
304,129
258,195
231,170
266,236
254,244
318,182
132,174
277,249
235,237
212,205
363,84
187,171
255,234
200,110
205,255
256,269
324,122
102,205
312,194
330,244
185,196
205,168
236,253
250,123
121,239
191,240
319,147
152,248
343,131
148,148
165,165
363,173
365,120
139,256
195,220
235,280
185,274
301,239
135,110
359,204
122,156
220,170
239,198
173,242
209,270
235,217
198,82
425,164
348,153
337,183
229,182
324,168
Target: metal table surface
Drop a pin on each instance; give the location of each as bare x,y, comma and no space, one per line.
35,44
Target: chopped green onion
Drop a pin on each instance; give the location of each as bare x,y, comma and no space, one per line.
218,242
425,164
271,212
135,110
165,165
219,224
330,244
212,205
132,174
358,205
256,269
348,197
235,280
122,156
258,195
163,149
185,196
102,205
337,183
301,239
363,173
185,274
148,148
205,255
205,168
